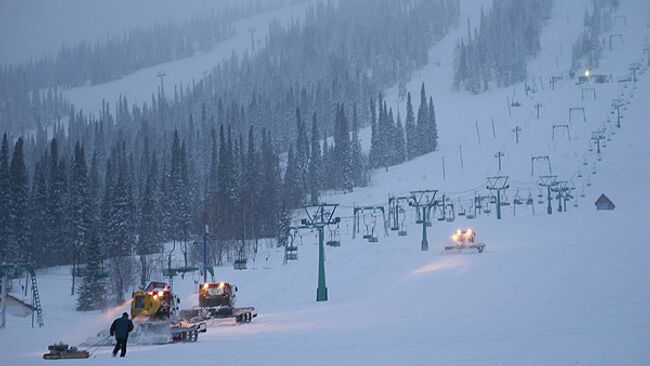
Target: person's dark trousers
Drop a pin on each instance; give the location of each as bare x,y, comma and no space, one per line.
120,345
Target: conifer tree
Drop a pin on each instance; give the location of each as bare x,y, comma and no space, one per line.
374,138
39,216
149,225
411,130
433,127
20,204
400,144
343,172
5,200
91,296
270,186
422,123
292,189
56,207
250,186
302,150
356,155
78,205
315,171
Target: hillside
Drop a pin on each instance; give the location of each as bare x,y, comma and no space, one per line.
559,289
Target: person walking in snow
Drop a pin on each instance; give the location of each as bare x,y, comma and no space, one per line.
121,328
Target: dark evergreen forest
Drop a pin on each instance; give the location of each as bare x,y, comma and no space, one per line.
238,150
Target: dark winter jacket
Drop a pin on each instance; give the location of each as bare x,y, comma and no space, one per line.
121,327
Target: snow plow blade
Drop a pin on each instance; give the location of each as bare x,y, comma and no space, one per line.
154,333
215,317
456,249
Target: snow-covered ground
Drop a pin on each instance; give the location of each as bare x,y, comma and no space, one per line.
569,288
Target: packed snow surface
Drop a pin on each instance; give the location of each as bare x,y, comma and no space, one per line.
567,288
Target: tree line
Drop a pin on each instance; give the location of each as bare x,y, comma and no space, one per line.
496,52
587,50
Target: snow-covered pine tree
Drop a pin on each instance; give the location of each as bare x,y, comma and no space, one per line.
432,131
359,175
250,196
61,249
422,123
38,215
374,137
292,190
302,150
315,171
77,204
341,153
149,224
5,200
20,205
411,130
270,186
400,143
89,298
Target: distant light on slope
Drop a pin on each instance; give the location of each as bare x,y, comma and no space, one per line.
587,73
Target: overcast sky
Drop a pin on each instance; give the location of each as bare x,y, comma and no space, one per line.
35,27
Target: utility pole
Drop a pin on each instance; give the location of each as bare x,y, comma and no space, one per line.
321,217
563,194
597,136
498,155
537,107
425,200
206,233
251,30
634,67
555,79
494,131
161,75
478,136
548,181
444,171
3,298
498,183
516,130
460,151
618,103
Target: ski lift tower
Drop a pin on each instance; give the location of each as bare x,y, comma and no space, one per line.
548,181
425,200
36,299
320,216
499,183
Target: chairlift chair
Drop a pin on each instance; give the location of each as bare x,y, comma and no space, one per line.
291,250
402,228
370,233
367,234
240,262
462,209
334,241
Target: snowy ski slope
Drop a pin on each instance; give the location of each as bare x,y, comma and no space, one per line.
139,86
569,288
